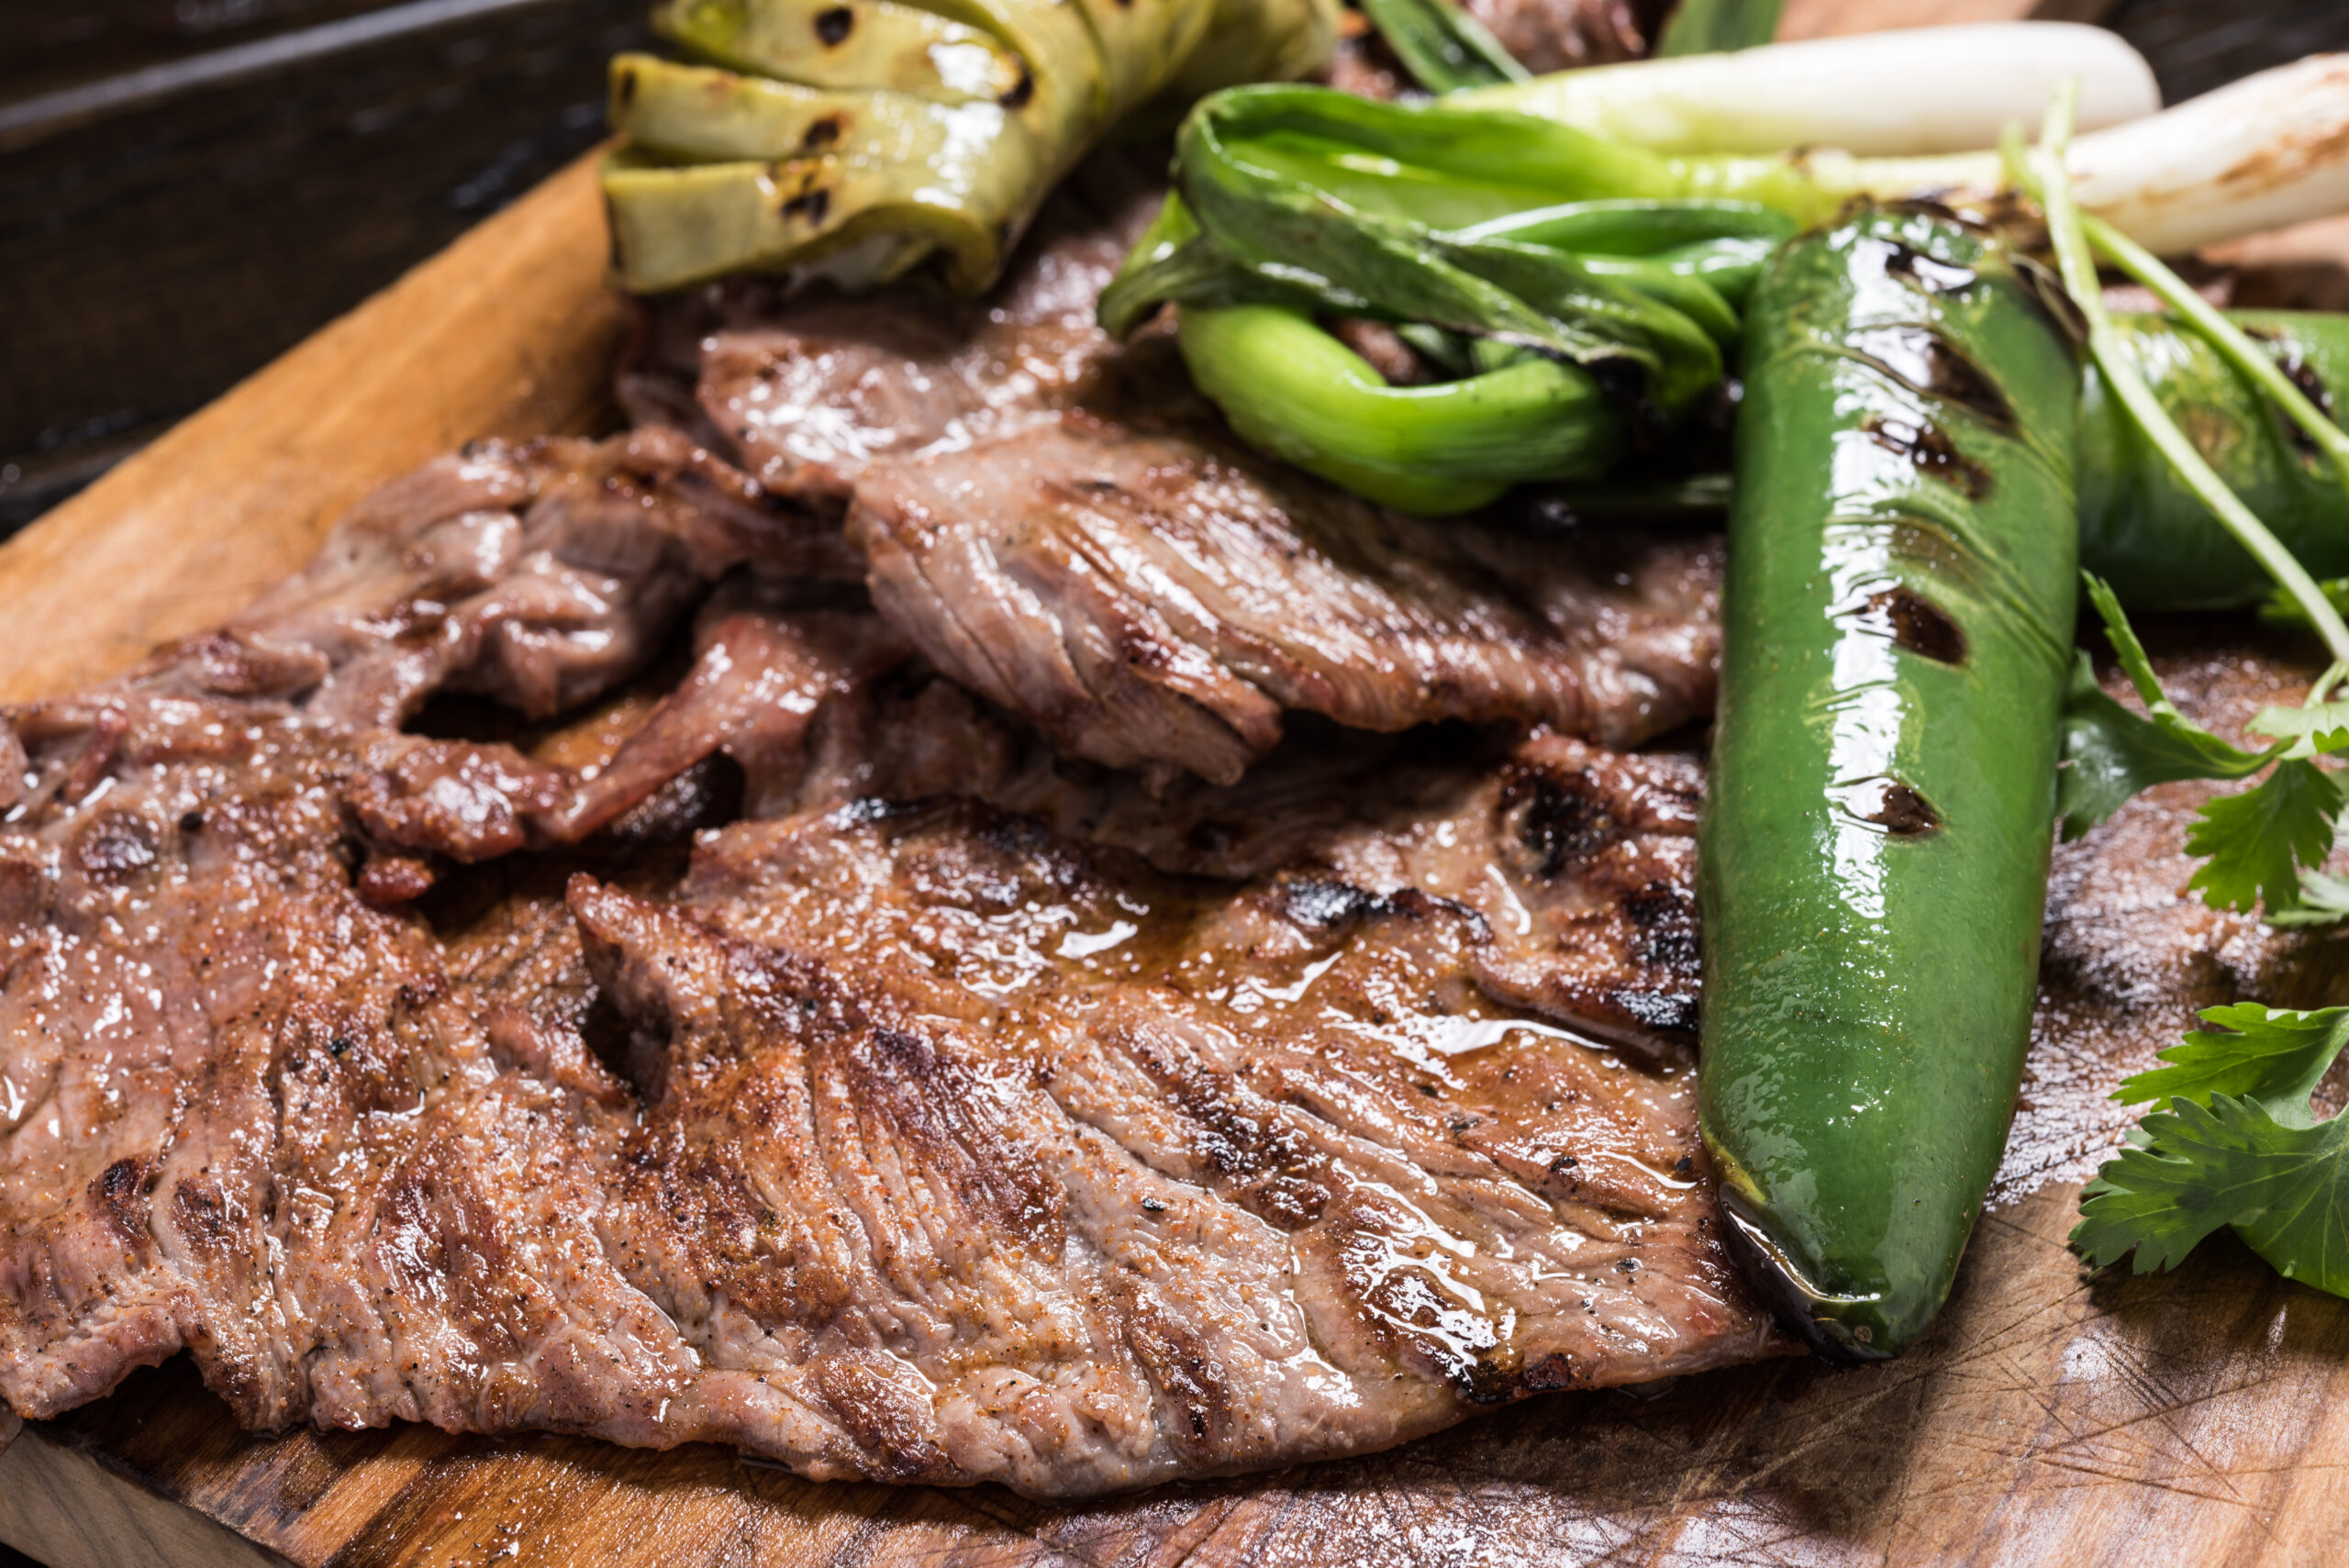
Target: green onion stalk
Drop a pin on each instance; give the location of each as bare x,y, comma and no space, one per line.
1555,266
1572,283
2074,236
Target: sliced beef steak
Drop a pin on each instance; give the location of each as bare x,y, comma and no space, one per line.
994,1156
242,1107
535,575
955,1149
1059,522
807,389
1151,600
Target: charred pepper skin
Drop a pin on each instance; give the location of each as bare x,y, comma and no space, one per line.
1897,623
2149,535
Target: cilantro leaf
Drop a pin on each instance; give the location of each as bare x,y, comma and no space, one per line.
2238,1146
2315,731
2324,899
2280,609
2259,840
2285,1190
2270,1054
2112,753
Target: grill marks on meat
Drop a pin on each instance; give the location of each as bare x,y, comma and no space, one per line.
1058,522
243,1109
808,389
246,1115
535,575
1146,601
1002,1158
767,676
941,1173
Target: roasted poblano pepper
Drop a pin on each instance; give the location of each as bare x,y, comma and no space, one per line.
867,134
2152,538
1896,630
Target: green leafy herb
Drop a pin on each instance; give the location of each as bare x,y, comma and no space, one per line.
2259,840
2111,754
2324,899
2317,730
2239,1146
2262,846
2280,610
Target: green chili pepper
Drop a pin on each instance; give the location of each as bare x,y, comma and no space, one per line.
2152,538
1898,629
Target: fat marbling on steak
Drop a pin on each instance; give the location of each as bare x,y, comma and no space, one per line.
1058,522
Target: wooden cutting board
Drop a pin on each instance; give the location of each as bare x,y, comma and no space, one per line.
2196,1419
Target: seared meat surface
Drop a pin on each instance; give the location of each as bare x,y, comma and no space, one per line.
244,1109
1058,522
1152,601
969,1110
1050,1169
1076,1141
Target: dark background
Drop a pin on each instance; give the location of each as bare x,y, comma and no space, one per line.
189,187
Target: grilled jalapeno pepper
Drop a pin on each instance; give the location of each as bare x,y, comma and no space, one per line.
2152,538
1897,627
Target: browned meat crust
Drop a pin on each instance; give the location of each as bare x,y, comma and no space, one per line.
1051,1169
1150,601
954,1148
244,1109
1059,523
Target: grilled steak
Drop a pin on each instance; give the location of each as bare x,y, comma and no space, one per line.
1577,859
1058,522
922,1165
1073,1135
232,1087
1047,1168
1149,600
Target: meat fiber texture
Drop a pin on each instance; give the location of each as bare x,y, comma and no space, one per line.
967,1112
1057,522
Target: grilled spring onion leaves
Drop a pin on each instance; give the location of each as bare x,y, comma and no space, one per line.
1443,46
2238,1145
1580,260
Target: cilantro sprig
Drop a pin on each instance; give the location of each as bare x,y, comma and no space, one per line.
2239,1146
2238,1143
2262,846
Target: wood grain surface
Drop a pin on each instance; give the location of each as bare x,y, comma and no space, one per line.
2201,1418
508,332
